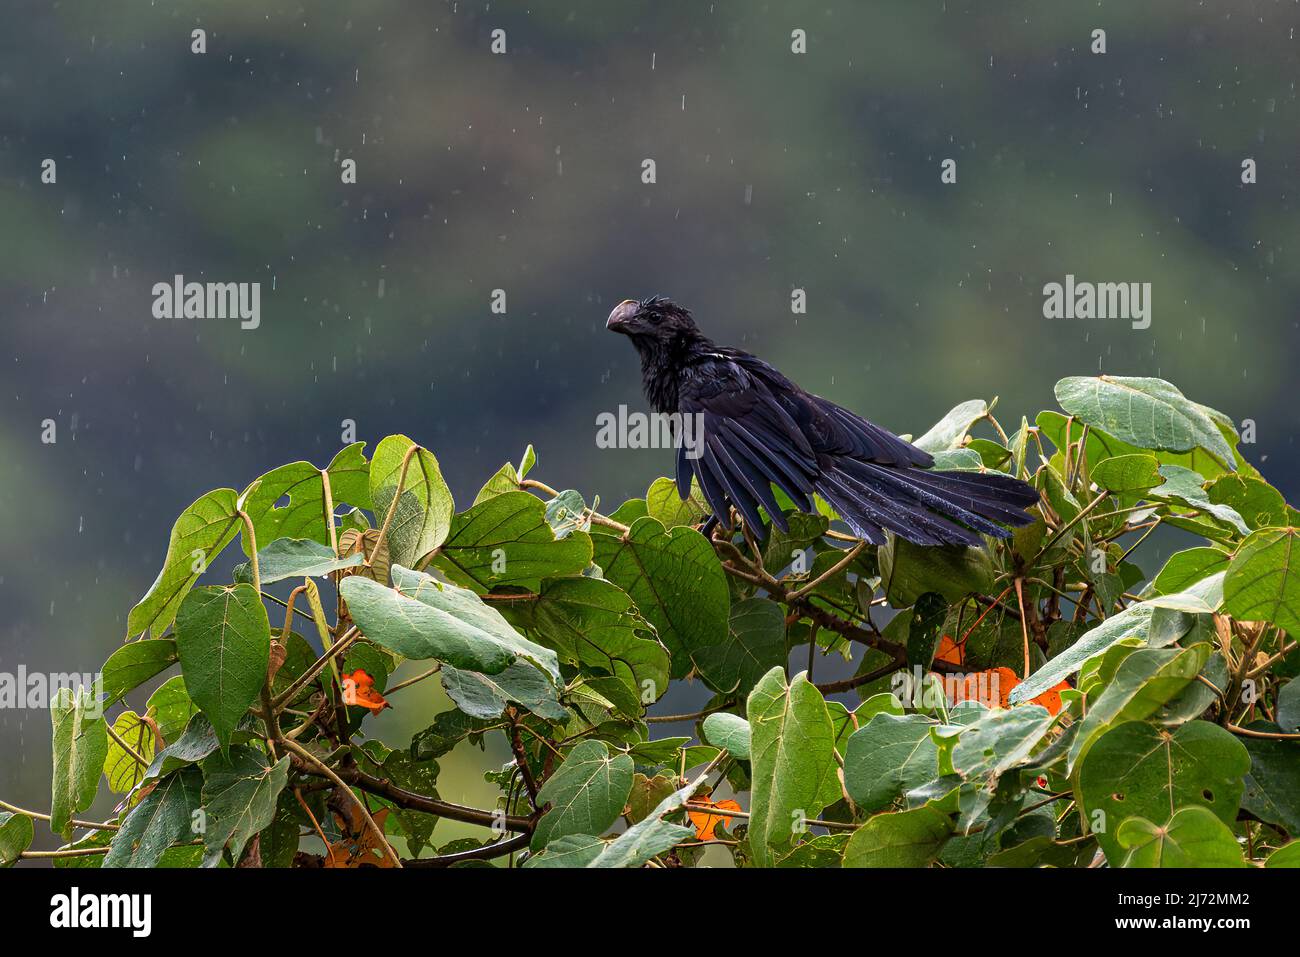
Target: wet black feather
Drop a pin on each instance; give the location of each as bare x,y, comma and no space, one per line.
761,430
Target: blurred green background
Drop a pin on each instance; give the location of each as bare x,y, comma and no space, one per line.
522,172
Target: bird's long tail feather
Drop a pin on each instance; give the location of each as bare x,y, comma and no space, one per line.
923,506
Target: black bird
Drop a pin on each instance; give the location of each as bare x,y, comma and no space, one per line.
759,429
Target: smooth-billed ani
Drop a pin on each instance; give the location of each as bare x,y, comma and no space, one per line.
759,429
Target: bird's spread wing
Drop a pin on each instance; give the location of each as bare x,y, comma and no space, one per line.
759,429
746,441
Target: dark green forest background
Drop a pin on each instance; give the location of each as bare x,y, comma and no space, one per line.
523,172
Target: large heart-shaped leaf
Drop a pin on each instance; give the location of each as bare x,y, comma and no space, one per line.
163,817
422,517
593,624
1263,580
134,664
1149,413
506,540
902,839
421,617
301,488
792,751
223,638
240,790
1136,769
677,583
199,535
587,793
888,756
753,644
1193,837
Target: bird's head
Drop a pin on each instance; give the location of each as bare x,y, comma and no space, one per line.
652,320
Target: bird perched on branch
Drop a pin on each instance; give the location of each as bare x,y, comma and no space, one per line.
756,429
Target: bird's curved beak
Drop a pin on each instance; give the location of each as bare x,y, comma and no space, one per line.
622,315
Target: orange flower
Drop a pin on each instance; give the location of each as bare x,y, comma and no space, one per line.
359,846
703,821
1051,698
359,690
992,688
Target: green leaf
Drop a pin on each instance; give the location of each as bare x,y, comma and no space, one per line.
1127,473
954,571
195,744
421,617
486,696
170,707
163,817
663,503
647,794
423,516
1193,837
1188,487
889,755
825,850
902,839
592,623
949,431
677,583
728,731
574,850
506,540
1157,622
1146,680
792,751
999,740
506,479
449,728
587,793
300,486
1145,412
1263,580
805,530
1136,769
566,513
224,641
80,746
1288,855
122,770
199,535
295,558
1188,567
16,833
278,843
1101,446
240,790
134,664
753,644
1258,503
